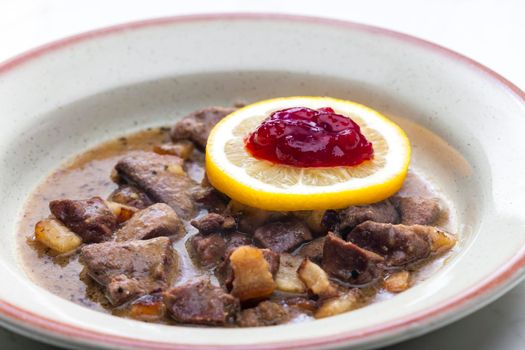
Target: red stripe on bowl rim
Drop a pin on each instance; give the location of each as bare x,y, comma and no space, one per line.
502,280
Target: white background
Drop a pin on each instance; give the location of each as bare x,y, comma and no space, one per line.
489,31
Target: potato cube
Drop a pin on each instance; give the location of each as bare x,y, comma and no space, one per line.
441,241
287,279
121,211
337,305
252,278
313,219
182,149
315,279
147,308
53,234
397,282
176,169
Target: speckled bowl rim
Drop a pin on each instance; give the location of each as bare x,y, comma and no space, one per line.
505,278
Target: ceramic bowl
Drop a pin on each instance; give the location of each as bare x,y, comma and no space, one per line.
464,121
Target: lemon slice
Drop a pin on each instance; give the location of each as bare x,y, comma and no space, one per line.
270,186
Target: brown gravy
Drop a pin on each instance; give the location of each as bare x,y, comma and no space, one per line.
88,175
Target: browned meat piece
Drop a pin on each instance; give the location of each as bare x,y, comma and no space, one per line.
210,199
235,240
313,250
121,289
379,212
130,269
273,260
417,210
207,250
330,220
196,126
154,221
200,302
282,236
249,218
130,195
224,274
398,244
91,219
161,177
213,222
267,313
348,262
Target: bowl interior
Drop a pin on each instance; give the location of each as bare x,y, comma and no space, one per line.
462,123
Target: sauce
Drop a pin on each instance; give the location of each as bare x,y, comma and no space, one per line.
89,175
305,137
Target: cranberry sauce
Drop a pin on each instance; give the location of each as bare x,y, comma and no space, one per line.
305,137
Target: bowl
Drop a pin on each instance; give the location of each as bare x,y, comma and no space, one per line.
464,121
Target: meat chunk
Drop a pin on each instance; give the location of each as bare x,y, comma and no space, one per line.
313,250
154,221
398,244
249,218
196,126
379,212
210,199
91,219
267,313
235,240
130,195
130,269
417,210
207,250
282,236
348,262
330,220
161,177
273,259
214,222
199,302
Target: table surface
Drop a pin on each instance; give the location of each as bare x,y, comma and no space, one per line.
489,31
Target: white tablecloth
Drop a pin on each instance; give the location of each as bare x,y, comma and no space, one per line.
489,31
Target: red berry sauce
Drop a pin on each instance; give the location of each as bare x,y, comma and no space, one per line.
305,137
